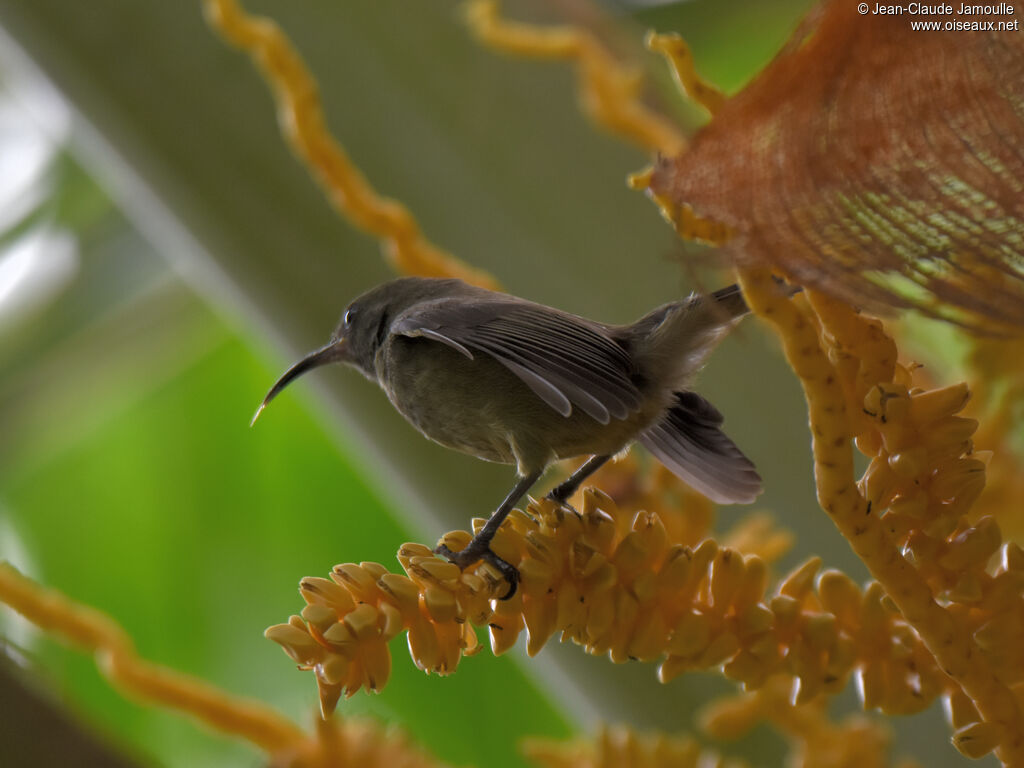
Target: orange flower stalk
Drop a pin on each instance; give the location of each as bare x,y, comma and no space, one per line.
677,54
609,92
93,631
302,121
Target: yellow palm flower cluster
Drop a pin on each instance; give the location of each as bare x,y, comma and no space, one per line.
616,584
616,747
349,619
924,478
688,516
997,381
908,518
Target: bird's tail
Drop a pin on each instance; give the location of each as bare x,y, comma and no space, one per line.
679,336
689,441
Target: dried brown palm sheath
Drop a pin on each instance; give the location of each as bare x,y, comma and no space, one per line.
867,148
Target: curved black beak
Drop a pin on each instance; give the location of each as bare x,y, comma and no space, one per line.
336,351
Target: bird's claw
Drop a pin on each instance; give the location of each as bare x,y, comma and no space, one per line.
471,554
507,570
564,503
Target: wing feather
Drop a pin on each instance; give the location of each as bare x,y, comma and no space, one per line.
565,360
543,388
432,334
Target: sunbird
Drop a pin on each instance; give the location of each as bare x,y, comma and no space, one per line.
515,382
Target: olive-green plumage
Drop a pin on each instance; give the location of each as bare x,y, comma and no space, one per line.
512,381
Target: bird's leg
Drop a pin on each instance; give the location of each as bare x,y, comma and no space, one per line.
566,489
480,547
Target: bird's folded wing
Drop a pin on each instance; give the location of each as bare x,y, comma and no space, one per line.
566,360
688,440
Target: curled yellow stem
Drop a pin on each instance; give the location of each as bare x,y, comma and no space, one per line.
688,224
677,54
302,121
93,631
609,93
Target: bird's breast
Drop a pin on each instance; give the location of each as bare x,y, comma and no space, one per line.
451,399
478,406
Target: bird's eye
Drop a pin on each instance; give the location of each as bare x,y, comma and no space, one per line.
349,317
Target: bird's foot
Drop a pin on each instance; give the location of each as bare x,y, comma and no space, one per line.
563,502
481,550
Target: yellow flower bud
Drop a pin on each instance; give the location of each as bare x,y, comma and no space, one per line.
341,639
433,570
539,616
535,577
934,404
752,583
956,477
787,613
317,590
973,547
799,583
722,648
648,640
626,612
423,646
840,596
672,667
726,578
977,739
820,632
363,621
297,643
319,616
392,622
960,710
570,615
334,669
747,668
440,603
402,593
753,621
600,617
376,662
947,434
909,463
360,582
631,555
691,635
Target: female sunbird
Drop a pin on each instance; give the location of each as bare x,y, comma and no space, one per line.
515,382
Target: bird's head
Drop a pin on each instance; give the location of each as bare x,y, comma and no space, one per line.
363,328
